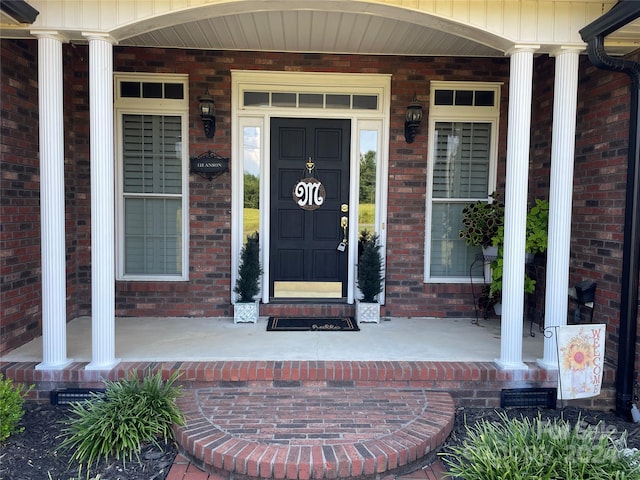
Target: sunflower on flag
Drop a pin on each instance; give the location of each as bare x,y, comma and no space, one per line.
581,354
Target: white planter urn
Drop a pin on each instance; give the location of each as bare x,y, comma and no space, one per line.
367,312
498,308
245,312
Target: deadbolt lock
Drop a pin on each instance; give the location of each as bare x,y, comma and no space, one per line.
344,208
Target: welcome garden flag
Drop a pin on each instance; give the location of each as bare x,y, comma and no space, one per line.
581,358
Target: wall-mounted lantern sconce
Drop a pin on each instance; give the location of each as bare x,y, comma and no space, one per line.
412,119
208,114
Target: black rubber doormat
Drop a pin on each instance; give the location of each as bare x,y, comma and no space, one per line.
302,324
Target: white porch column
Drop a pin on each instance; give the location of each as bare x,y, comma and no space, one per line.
560,197
54,281
102,203
516,186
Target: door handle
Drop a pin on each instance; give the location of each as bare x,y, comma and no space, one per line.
344,223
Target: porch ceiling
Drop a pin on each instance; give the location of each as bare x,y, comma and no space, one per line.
312,31
330,26
335,27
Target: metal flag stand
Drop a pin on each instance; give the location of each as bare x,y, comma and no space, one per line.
549,332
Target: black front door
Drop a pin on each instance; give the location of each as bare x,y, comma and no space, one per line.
306,259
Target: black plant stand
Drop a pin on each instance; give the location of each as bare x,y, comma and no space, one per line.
530,312
485,260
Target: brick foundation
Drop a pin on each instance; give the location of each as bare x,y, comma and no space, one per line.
469,383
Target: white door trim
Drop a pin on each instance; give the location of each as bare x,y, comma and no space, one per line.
259,116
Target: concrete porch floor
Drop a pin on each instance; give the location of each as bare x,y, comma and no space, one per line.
219,339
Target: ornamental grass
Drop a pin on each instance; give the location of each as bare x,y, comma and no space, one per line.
525,449
131,413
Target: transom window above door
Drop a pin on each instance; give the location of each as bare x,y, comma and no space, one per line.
343,101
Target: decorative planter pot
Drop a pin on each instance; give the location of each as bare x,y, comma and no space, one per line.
367,312
245,312
498,308
490,253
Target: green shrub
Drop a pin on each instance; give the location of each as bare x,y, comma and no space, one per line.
131,413
370,276
11,407
541,450
249,271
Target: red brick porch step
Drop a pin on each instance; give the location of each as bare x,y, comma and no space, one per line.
307,432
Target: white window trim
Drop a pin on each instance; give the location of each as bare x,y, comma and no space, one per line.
237,202
251,80
382,182
142,106
449,113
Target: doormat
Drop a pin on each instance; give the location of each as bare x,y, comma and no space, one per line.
302,324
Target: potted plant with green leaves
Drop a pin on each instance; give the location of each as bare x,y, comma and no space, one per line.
537,227
537,234
370,277
481,223
247,284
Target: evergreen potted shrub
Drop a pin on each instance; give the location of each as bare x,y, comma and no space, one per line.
247,284
370,278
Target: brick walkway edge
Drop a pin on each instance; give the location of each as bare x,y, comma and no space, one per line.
183,469
321,433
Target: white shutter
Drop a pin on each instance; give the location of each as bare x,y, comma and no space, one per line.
152,165
152,154
460,172
462,160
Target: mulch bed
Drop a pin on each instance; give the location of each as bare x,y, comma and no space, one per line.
34,454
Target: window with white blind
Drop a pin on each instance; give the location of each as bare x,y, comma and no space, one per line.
152,177
462,169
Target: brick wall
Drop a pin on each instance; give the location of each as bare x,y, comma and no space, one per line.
539,170
599,183
20,304
208,291
599,191
77,179
20,244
